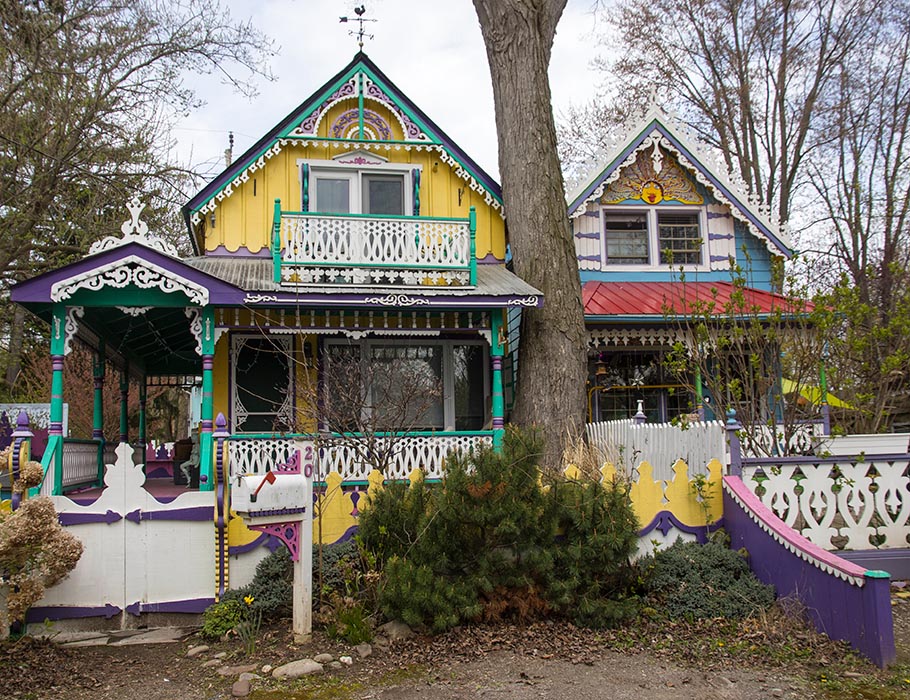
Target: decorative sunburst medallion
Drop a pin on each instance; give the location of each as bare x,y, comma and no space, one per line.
652,180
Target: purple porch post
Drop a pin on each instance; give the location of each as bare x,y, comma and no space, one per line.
22,436
736,458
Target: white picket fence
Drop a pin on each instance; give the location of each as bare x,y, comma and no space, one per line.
626,445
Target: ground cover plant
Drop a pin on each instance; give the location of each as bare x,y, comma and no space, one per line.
498,539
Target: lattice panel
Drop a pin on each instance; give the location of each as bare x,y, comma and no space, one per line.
839,504
259,455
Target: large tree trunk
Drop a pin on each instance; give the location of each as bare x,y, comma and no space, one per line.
551,392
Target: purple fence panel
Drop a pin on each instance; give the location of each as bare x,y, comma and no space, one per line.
843,600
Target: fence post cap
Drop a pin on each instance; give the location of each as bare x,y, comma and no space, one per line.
22,425
221,426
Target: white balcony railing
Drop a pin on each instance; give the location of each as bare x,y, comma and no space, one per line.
355,249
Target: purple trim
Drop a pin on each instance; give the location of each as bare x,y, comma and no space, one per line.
288,533
594,258
192,605
593,214
196,514
249,546
38,289
719,258
666,521
486,301
68,519
159,473
720,236
588,235
895,561
843,600
277,511
66,612
242,252
719,215
490,259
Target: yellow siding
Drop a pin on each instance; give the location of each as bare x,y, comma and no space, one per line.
220,369
244,219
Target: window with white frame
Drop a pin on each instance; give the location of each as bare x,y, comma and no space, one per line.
410,385
652,236
262,385
383,189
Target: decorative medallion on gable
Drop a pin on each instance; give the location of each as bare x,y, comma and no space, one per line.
654,177
347,126
359,157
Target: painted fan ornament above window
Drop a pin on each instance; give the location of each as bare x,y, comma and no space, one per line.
653,178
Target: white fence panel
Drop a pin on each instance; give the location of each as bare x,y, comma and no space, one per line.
80,462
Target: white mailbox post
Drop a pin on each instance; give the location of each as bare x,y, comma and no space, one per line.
280,502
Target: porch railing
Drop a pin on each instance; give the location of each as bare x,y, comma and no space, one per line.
424,451
361,249
80,462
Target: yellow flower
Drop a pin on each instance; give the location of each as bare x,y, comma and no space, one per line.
248,599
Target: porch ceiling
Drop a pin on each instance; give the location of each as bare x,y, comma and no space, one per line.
159,341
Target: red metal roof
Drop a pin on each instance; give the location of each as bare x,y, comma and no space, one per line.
660,298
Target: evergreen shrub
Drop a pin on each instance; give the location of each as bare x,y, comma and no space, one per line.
492,541
692,581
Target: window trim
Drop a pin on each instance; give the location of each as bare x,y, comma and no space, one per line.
290,401
448,368
651,213
356,173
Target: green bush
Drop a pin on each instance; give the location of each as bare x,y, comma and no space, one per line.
341,570
271,588
221,617
691,581
483,544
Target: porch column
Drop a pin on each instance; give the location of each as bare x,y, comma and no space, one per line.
206,482
497,338
143,395
98,408
55,430
124,404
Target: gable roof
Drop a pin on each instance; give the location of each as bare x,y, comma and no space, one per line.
423,131
658,128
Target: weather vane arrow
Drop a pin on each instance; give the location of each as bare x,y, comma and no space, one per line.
359,33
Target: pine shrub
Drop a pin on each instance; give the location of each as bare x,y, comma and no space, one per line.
692,581
492,541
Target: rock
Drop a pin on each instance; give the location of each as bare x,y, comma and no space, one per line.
852,674
195,651
295,669
346,660
236,670
396,630
211,662
266,669
240,689
364,650
323,658
335,665
220,655
249,677
777,692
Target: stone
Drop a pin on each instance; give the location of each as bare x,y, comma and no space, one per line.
236,670
346,660
396,630
852,674
296,669
266,669
364,650
220,655
335,665
195,651
323,658
777,692
240,689
249,677
211,662
160,635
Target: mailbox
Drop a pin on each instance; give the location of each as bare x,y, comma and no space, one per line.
282,495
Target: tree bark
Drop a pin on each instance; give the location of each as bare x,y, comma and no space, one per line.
518,35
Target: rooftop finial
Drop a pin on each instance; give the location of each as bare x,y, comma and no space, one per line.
360,33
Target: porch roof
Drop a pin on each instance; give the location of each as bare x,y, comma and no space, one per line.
652,301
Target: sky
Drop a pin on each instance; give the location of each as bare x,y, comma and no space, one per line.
431,49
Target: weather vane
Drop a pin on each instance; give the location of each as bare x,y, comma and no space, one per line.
360,34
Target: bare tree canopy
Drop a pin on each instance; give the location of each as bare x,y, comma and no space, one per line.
89,90
518,35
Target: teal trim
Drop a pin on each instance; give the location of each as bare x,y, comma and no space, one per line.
472,225
79,441
206,439
877,574
276,242
402,217
360,104
395,266
53,455
58,323
305,202
127,296
415,178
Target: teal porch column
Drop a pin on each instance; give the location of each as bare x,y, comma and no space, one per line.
98,408
124,404
206,481
55,430
497,337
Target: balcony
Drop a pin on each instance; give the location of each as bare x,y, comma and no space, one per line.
311,248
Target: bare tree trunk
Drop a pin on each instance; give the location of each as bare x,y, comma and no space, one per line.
518,35
16,337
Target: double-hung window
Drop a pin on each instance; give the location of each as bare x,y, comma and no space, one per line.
343,190
652,236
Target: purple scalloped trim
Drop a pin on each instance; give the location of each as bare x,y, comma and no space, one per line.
666,521
260,541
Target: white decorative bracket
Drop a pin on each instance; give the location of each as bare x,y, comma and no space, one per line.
134,231
195,316
133,310
73,313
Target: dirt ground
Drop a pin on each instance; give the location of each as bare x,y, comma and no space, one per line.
754,660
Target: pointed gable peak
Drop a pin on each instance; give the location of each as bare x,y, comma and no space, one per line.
657,132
